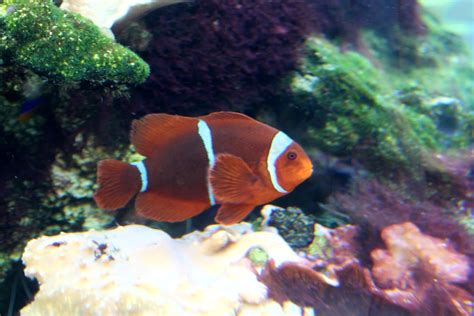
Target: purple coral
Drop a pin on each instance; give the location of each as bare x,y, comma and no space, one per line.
220,54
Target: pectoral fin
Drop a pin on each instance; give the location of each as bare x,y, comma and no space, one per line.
232,180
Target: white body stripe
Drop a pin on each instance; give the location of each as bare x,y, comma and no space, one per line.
206,136
280,143
143,174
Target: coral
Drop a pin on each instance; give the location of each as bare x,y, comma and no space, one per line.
417,275
373,205
139,270
292,224
333,282
418,271
105,13
219,54
64,46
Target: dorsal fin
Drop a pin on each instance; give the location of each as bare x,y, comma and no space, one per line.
226,116
154,131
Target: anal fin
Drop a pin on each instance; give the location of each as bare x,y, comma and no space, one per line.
232,180
229,214
165,209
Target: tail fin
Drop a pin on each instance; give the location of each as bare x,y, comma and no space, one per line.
118,183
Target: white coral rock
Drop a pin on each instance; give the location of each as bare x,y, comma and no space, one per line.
136,270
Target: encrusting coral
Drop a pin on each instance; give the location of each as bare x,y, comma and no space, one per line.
141,271
64,46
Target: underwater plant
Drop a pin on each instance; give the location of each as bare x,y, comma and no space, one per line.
64,46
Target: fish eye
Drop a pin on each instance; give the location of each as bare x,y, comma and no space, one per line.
291,155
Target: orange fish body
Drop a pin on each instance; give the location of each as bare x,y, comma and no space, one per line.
222,158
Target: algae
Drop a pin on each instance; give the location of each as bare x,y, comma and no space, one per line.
64,46
353,108
350,111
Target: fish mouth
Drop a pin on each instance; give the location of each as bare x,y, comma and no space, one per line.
307,172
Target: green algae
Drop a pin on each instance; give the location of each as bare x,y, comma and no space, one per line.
388,114
64,46
435,65
353,112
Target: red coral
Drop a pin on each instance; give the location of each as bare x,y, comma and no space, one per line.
220,54
418,272
416,275
374,206
333,285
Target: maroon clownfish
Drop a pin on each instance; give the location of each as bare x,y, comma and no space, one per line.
192,163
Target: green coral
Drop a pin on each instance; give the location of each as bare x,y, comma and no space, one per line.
65,46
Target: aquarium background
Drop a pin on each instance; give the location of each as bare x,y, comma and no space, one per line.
456,16
379,93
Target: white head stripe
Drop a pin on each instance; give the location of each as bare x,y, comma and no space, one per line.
143,174
206,137
280,143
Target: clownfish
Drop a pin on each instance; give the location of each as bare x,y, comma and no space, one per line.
192,163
